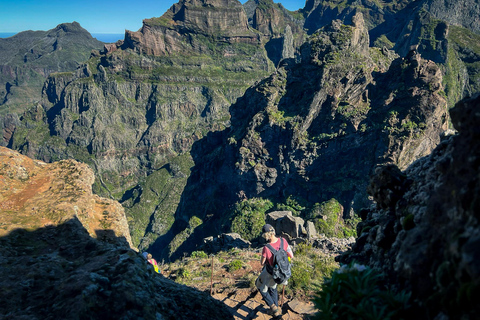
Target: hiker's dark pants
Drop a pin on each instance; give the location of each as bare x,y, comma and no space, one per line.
267,287
271,296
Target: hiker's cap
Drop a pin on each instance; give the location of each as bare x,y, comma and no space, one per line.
267,228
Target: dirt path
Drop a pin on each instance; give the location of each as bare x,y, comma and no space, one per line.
247,304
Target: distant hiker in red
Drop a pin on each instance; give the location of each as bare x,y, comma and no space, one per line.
153,262
276,256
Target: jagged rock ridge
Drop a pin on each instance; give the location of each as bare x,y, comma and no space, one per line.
424,230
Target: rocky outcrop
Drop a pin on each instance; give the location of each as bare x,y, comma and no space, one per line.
224,242
178,29
286,224
60,272
423,232
35,194
27,58
425,25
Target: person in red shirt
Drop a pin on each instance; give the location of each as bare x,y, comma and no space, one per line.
265,283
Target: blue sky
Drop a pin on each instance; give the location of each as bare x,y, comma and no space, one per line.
100,16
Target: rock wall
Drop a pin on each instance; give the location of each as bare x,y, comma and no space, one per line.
175,31
424,230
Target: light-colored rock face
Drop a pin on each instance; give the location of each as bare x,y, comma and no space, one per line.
35,194
170,33
212,16
460,13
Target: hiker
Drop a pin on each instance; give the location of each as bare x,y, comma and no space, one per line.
153,262
265,282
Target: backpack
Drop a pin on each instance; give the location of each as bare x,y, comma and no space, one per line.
281,269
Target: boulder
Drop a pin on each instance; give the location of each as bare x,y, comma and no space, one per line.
311,231
333,245
285,223
224,242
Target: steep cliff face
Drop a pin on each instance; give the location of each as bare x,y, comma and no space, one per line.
27,59
315,130
423,231
178,29
35,194
281,30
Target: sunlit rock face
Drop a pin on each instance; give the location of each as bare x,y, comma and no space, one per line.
36,194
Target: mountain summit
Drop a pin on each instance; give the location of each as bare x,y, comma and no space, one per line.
27,58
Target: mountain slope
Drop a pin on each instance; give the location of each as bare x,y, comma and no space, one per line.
27,58
36,194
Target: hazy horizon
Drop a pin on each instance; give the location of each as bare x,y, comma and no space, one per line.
104,37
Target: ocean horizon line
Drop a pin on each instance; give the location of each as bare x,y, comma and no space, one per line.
101,36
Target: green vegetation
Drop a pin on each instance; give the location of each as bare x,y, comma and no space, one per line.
458,65
428,32
163,188
408,222
235,265
356,292
199,255
249,217
353,112
292,204
180,238
328,220
383,41
184,273
309,269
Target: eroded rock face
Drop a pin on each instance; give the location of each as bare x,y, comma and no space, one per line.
223,19
426,238
60,272
35,194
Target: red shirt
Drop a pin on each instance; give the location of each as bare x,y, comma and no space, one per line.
276,245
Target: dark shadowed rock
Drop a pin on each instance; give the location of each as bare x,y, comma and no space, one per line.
62,273
426,241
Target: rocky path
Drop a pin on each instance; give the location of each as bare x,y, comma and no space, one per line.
247,304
